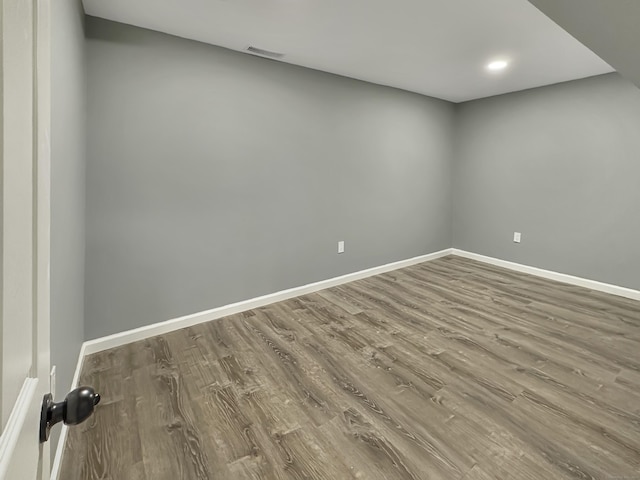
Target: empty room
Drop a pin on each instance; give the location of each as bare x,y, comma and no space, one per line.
320,239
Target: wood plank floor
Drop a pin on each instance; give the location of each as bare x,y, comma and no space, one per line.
448,370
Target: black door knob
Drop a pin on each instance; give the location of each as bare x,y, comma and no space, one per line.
77,406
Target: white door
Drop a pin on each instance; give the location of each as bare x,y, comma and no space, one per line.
24,237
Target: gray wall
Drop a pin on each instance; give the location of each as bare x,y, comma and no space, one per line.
214,176
67,190
561,164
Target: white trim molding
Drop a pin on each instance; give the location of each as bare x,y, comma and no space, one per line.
15,424
129,336
551,275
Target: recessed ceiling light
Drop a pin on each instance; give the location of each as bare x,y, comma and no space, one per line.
497,65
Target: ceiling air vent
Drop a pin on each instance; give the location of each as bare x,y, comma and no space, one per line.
265,53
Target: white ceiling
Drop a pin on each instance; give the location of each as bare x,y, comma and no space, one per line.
434,47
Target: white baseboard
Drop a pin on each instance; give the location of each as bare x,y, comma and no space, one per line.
559,277
129,336
57,459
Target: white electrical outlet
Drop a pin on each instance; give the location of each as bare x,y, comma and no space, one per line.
341,246
517,236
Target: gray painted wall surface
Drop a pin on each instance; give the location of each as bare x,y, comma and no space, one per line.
67,190
214,176
560,164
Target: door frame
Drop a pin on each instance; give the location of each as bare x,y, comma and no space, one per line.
21,427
